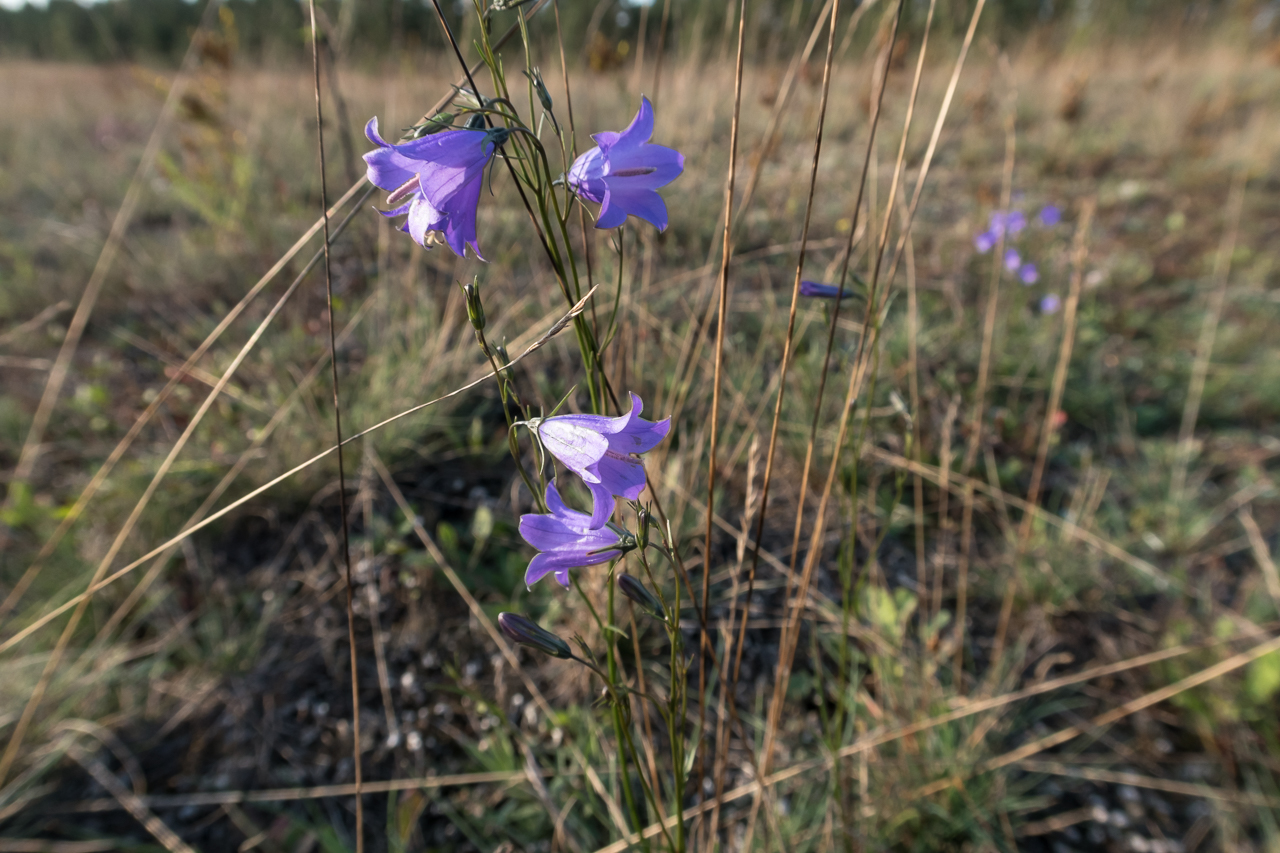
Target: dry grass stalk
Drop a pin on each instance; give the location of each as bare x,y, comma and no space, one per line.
556,328
1208,332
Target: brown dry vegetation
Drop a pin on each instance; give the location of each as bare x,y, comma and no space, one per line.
224,669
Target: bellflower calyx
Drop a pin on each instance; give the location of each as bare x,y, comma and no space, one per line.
435,181
623,171
567,541
598,449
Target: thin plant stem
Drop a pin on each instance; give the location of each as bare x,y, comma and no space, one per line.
979,408
780,689
721,330
1208,333
337,428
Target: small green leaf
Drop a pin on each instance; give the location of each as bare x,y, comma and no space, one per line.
1262,678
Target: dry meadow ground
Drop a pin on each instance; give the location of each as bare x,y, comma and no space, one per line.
219,668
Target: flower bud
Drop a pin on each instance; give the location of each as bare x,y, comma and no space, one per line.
642,529
633,589
526,632
541,88
475,311
501,354
476,122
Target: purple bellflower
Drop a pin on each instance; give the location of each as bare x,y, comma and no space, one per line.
1050,304
566,540
1028,273
598,449
985,242
826,291
1007,222
436,180
1050,215
1012,260
623,171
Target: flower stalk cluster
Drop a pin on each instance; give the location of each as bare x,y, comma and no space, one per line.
434,179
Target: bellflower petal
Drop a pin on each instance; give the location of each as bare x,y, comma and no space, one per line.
598,449
985,242
567,541
448,168
623,171
643,203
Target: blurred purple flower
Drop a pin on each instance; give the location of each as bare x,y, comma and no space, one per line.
1012,260
623,171
826,291
1050,215
1050,304
598,449
1028,273
985,242
438,179
1007,222
566,540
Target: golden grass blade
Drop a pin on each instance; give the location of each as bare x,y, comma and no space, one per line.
615,814
129,800
260,438
106,258
44,316
1208,333
1262,554
286,795
1097,774
55,659
958,485
978,420
722,314
555,329
100,476
781,680
881,737
1142,702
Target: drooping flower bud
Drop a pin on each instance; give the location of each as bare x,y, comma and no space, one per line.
475,310
633,589
501,354
526,632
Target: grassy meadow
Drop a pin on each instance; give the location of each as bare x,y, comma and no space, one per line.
1044,602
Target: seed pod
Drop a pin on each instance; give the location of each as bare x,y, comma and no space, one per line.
526,632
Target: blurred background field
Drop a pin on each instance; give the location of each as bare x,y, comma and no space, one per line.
219,668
